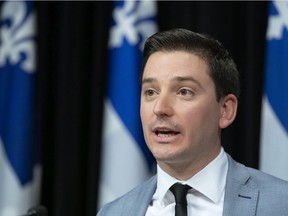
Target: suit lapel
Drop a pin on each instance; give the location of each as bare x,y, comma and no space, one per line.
241,196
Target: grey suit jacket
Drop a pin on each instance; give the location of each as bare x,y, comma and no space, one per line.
248,192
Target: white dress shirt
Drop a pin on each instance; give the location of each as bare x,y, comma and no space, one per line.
204,199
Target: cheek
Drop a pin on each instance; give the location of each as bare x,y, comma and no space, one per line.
145,115
146,109
191,122
143,109
200,118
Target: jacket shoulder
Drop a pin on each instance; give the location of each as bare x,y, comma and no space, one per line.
254,177
272,192
137,200
267,182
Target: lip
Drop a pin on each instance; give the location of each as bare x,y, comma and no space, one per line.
165,135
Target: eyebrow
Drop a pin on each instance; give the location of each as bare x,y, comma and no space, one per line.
187,78
176,79
148,80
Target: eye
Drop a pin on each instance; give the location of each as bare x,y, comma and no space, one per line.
150,92
185,92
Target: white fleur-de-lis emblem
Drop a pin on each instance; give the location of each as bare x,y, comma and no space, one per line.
133,22
17,45
279,22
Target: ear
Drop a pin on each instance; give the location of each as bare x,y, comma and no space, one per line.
229,106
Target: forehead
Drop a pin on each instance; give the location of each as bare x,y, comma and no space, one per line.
166,65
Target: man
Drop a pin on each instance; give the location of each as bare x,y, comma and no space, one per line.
190,90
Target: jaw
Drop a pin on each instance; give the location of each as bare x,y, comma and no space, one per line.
183,164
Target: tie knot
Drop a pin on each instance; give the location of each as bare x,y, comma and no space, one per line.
180,191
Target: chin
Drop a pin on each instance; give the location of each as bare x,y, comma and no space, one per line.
166,158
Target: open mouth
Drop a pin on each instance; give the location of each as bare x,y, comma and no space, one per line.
165,133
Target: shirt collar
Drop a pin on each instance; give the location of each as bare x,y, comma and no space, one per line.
210,181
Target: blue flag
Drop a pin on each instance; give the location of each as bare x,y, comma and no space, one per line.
126,159
274,132
20,175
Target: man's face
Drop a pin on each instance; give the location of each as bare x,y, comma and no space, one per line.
179,111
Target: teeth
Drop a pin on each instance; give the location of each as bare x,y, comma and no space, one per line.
164,135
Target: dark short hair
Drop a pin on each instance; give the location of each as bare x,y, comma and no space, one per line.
222,68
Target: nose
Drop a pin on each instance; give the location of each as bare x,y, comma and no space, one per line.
163,105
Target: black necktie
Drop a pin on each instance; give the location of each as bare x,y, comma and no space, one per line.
180,191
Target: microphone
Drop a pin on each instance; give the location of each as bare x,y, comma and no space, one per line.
37,211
